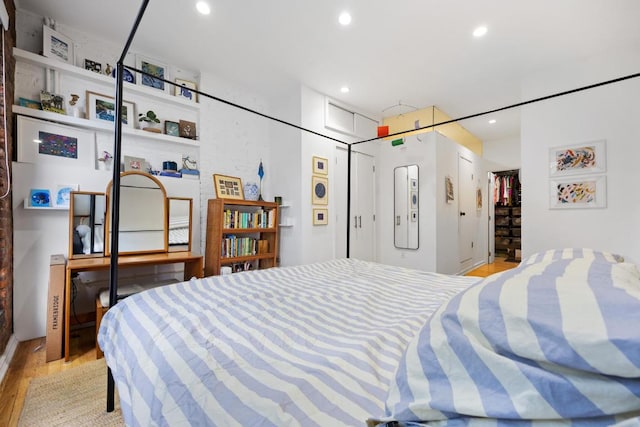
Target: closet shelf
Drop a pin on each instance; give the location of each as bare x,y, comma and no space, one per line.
42,61
97,125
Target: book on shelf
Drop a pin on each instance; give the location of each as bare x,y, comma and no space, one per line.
257,219
233,246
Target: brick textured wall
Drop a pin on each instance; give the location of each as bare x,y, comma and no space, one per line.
6,154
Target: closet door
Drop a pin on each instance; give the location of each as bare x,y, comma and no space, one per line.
362,245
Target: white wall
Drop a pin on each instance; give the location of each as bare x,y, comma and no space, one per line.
505,153
436,157
611,113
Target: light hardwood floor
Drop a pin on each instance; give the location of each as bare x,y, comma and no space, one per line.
29,362
29,359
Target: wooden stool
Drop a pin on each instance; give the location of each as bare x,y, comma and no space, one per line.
100,311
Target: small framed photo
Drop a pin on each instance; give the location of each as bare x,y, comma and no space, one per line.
103,107
171,128
320,165
40,198
30,103
228,187
320,216
94,66
134,164
479,199
579,192
184,89
187,129
56,45
63,195
155,73
578,159
52,102
319,190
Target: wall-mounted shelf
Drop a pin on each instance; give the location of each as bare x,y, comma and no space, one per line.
26,205
50,63
97,125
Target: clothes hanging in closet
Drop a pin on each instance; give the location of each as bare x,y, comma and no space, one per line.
506,190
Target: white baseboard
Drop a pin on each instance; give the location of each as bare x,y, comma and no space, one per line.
7,356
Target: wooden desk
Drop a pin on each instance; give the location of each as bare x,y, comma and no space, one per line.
193,267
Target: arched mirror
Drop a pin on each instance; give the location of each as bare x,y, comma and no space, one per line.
180,210
406,207
86,224
143,215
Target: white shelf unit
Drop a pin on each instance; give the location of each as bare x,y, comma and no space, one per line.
128,88
284,222
97,125
44,208
53,64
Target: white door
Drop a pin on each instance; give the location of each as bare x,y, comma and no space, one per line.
340,203
466,209
362,207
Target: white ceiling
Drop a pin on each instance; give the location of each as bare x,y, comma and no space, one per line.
414,52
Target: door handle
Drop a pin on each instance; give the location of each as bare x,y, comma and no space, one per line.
355,221
398,220
462,213
360,221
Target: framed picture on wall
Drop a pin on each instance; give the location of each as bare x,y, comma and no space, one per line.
155,73
579,192
40,198
319,190
228,187
184,90
171,128
134,164
578,159
103,107
57,45
448,186
42,142
320,166
320,216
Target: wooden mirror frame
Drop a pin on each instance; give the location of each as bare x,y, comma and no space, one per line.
107,231
73,225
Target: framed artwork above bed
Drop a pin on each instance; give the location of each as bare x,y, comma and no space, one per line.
578,159
579,192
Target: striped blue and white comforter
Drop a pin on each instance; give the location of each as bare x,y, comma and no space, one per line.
298,346
553,342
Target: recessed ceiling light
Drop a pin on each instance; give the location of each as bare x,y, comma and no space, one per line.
344,18
480,31
203,7
492,121
345,89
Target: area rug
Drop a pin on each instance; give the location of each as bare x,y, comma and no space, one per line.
76,397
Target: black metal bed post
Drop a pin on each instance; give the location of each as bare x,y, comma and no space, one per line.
348,199
115,190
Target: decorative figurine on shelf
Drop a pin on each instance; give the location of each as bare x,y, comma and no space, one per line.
108,70
152,120
261,175
74,110
189,168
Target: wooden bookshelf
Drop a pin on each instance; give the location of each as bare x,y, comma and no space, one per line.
234,228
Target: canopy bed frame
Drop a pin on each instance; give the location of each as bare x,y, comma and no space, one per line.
115,218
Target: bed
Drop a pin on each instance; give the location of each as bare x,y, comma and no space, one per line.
308,345
346,342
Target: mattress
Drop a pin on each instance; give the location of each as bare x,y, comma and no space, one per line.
309,345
